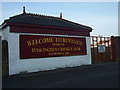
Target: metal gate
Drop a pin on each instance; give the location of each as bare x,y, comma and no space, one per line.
102,49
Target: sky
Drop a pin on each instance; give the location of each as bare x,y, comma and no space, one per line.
102,17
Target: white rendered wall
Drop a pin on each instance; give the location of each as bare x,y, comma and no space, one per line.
40,64
5,33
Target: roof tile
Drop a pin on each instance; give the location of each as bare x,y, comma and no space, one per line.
29,18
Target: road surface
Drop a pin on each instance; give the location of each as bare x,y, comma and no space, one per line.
103,75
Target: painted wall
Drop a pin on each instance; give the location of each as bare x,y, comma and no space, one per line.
5,33
0,62
16,65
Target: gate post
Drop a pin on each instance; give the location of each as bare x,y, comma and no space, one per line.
113,48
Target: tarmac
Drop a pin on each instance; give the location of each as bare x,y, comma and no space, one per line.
81,76
62,70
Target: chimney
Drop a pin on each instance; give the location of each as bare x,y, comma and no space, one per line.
24,10
60,15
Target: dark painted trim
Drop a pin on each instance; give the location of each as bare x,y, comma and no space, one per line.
47,27
42,29
47,31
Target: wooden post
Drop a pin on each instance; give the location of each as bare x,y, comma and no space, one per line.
113,48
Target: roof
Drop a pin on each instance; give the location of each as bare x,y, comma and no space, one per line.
29,18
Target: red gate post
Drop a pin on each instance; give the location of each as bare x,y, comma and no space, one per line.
113,48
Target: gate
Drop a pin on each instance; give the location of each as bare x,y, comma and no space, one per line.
102,49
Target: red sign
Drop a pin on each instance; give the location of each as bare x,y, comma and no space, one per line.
36,46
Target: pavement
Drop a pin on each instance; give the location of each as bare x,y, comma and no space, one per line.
100,75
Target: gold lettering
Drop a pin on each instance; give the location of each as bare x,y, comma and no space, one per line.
39,41
62,49
80,43
68,49
36,49
50,40
49,53
29,43
33,42
40,49
33,50
51,49
36,41
56,49
64,39
55,53
79,48
58,39
45,49
67,53
76,49
46,40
